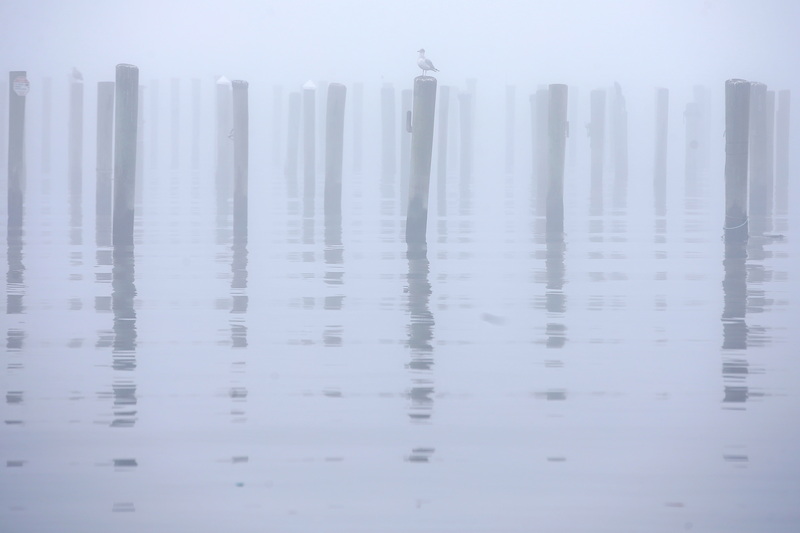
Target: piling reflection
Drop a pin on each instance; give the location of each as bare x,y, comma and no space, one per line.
555,299
334,279
123,294
420,334
240,299
15,287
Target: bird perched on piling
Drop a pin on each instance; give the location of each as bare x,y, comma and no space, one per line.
76,75
425,63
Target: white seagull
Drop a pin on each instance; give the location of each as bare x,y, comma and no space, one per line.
425,63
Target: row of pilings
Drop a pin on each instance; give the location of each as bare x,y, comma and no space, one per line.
754,132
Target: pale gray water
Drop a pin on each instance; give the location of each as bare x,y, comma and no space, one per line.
299,385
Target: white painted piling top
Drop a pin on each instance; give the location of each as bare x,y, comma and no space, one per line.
222,80
309,85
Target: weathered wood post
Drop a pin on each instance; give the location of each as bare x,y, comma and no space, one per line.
358,121
541,153
465,149
154,129
241,140
691,118
4,92
597,145
175,90
557,141
334,147
292,145
75,156
405,147
388,139
47,108
757,161
620,123
737,114
421,150
224,144
105,162
782,114
125,122
277,123
574,118
511,114
140,147
196,114
309,147
660,163
441,174
18,86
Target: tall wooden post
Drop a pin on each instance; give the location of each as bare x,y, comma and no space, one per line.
737,117
241,134
334,147
597,145
196,114
421,150
388,138
292,144
757,161
277,123
557,141
309,147
511,113
782,115
540,143
18,89
175,90
125,122
75,155
660,162
358,122
620,123
47,107
154,127
224,143
405,146
105,162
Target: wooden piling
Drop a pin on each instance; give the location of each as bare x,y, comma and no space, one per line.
47,113
388,139
557,141
17,91
757,161
75,145
782,114
224,143
620,124
175,92
405,147
292,144
660,159
277,123
334,147
309,146
196,115
737,115
441,167
540,140
105,162
597,145
465,138
358,121
241,134
125,125
511,113
154,129
140,147
421,150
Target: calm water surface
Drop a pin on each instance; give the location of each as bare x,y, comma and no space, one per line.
633,376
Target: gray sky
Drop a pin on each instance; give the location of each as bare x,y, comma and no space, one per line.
655,42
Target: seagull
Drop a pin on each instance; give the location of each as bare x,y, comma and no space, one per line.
76,75
425,63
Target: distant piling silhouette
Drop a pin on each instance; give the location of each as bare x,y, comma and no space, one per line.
557,141
224,144
154,128
241,141
334,147
737,117
421,151
292,145
405,147
660,158
759,190
782,118
175,108
539,103
465,108
140,147
511,113
277,123
597,146
125,124
441,163
75,156
691,118
196,115
388,140
105,162
47,114
5,89
309,146
358,125
18,88
620,127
